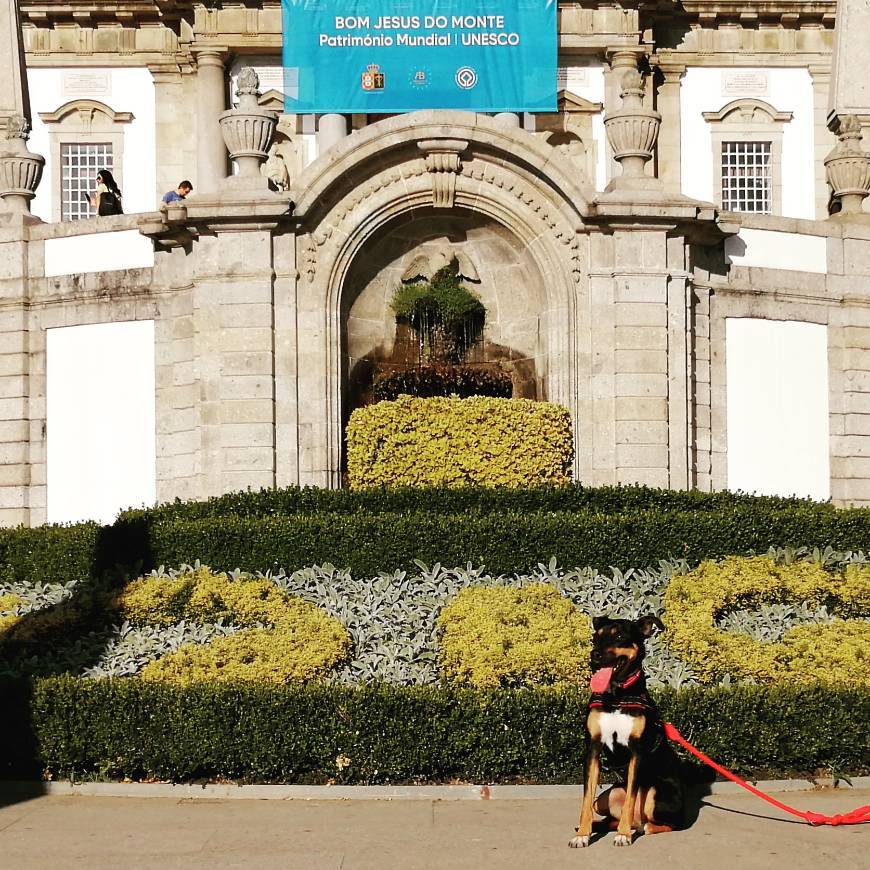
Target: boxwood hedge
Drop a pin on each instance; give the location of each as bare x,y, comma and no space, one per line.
504,542
73,727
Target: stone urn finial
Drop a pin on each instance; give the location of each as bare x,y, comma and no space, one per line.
633,129
20,169
848,166
248,130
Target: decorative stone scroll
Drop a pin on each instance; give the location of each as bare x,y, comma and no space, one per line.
20,169
633,129
248,130
848,166
443,162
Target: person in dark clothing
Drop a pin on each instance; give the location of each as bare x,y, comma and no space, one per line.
107,197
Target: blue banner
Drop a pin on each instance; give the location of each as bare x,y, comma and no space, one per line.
401,55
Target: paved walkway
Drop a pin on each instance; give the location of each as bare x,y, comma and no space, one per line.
733,832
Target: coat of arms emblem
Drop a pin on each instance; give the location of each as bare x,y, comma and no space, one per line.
373,79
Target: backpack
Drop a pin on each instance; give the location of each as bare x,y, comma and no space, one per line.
110,203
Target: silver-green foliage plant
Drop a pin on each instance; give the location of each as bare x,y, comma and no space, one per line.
392,618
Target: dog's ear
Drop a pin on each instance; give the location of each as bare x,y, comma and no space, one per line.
599,622
646,624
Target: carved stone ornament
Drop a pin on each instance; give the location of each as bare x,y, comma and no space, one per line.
248,130
443,162
20,170
848,166
633,129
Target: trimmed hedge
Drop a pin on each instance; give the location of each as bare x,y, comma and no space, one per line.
51,554
504,543
569,498
318,733
447,441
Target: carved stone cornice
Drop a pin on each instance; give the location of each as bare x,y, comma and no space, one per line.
42,13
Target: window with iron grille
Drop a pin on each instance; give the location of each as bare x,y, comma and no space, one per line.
79,164
746,177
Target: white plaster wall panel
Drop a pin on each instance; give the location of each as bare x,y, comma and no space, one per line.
790,90
777,407
98,252
129,90
100,417
775,250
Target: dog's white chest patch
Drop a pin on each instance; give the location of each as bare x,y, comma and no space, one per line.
615,728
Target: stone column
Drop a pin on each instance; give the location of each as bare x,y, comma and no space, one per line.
211,154
509,119
331,129
668,105
823,139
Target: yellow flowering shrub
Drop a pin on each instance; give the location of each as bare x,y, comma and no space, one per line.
9,601
501,635
299,642
311,648
446,441
202,595
38,624
835,652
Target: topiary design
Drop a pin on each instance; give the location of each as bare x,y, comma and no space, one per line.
833,652
459,442
504,636
287,639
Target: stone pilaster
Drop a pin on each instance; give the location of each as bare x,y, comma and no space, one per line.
669,153
232,322
15,434
211,103
823,139
171,127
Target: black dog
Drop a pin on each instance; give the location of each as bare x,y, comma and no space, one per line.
624,731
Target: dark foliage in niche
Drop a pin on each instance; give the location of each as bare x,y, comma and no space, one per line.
427,381
446,317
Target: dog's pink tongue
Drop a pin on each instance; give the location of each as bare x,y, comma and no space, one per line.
600,681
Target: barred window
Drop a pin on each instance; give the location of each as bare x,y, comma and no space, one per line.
79,164
746,177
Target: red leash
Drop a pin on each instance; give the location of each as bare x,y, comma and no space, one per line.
856,817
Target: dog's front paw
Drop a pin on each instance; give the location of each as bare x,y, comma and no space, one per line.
622,840
578,842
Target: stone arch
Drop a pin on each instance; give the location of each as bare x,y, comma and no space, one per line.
442,164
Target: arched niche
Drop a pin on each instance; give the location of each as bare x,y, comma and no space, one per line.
508,281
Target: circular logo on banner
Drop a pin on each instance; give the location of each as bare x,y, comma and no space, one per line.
466,78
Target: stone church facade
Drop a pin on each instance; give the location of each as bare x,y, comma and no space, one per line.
703,330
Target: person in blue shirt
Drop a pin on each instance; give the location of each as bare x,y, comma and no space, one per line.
179,194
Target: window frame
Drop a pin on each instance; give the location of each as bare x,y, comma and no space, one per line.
749,120
87,122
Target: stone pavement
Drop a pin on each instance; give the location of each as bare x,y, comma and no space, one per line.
733,832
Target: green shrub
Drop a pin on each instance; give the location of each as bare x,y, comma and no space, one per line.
568,498
494,636
442,441
308,733
838,652
505,543
51,554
